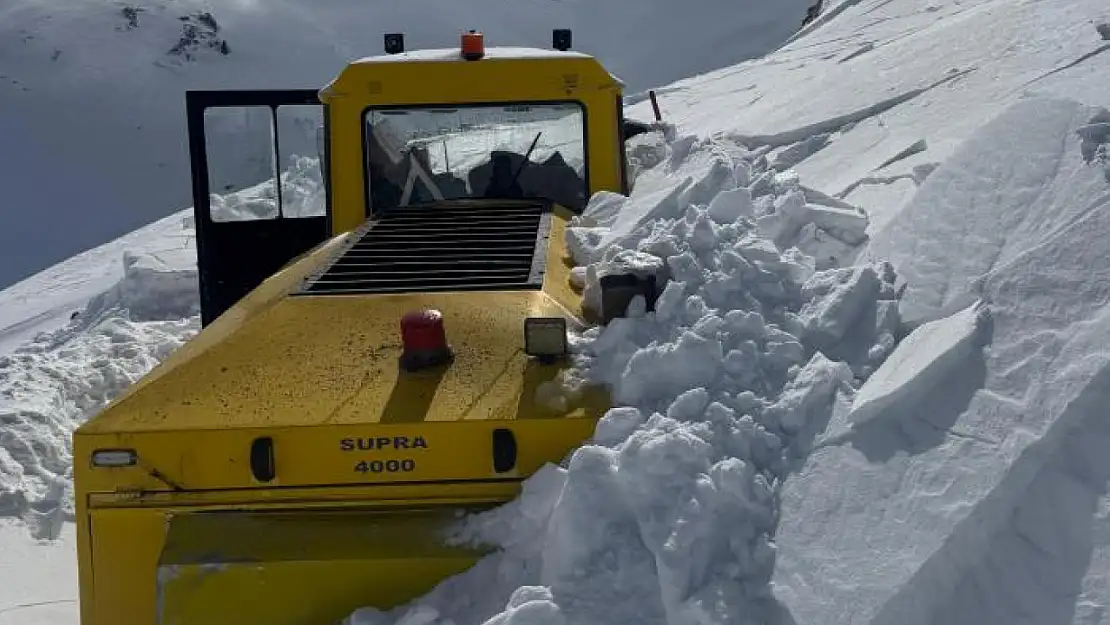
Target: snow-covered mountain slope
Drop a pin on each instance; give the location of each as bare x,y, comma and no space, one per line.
979,494
92,134
785,453
866,105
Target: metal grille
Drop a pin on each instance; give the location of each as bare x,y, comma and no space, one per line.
442,247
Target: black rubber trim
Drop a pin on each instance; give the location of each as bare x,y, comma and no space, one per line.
263,465
504,450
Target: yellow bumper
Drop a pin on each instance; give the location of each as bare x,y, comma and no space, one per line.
291,568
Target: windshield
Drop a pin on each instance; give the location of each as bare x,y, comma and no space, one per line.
417,155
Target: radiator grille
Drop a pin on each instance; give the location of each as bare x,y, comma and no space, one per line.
442,247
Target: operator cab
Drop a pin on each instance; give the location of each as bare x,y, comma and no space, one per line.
402,130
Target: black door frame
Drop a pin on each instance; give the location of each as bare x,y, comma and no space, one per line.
213,301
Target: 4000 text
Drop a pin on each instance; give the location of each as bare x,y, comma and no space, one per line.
406,465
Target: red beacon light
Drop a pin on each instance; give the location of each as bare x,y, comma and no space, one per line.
473,46
423,340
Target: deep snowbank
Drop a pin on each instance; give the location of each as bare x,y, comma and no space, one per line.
668,516
51,384
46,301
117,318
107,341
986,502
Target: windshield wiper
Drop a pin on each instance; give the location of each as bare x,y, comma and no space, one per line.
527,159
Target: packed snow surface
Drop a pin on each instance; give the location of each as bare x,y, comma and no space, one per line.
40,581
871,389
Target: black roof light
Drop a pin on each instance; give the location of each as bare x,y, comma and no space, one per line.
394,43
560,39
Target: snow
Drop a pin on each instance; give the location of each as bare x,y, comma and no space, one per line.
40,581
52,383
931,352
980,503
302,195
871,388
46,301
935,72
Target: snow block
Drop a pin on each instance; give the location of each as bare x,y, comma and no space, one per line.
836,298
603,209
919,362
731,205
155,286
849,224
828,251
809,395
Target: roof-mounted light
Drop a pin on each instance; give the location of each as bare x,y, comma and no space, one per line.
423,340
560,39
394,43
473,46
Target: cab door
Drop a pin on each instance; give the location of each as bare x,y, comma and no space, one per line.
259,186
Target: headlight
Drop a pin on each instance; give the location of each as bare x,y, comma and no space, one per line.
545,337
114,458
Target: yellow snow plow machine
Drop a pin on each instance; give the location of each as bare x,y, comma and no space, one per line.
376,330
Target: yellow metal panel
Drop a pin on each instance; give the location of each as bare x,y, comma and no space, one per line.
521,78
85,578
334,360
556,283
295,593
131,546
280,568
125,548
219,458
377,497
265,295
